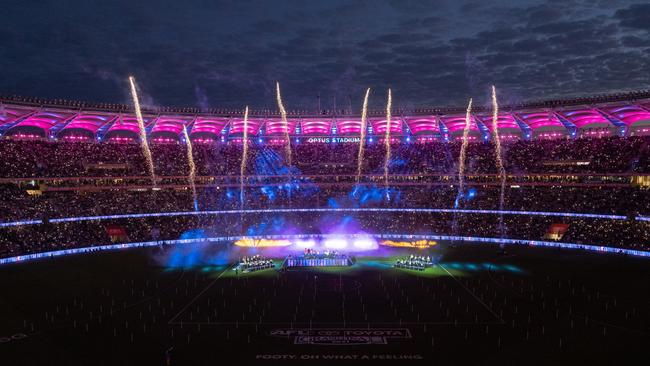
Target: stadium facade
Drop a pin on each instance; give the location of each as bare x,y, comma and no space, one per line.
626,114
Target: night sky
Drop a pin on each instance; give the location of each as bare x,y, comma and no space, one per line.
230,53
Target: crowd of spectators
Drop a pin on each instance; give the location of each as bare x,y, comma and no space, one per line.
31,159
631,234
18,205
35,159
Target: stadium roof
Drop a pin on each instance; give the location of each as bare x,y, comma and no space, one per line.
56,119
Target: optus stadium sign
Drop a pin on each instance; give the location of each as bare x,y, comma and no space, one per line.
331,140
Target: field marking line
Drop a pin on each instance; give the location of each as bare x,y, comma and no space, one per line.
198,295
473,294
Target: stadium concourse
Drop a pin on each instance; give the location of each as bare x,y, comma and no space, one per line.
562,259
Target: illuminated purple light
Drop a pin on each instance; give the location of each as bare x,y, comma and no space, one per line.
504,121
348,126
88,122
316,127
129,123
254,125
8,115
585,117
628,114
457,124
276,126
209,125
171,124
423,125
379,125
44,120
541,119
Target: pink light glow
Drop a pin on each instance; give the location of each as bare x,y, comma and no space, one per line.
76,138
379,125
550,135
8,115
172,124
316,126
584,117
26,136
88,122
213,125
44,120
129,123
254,125
427,124
628,114
121,140
276,126
457,123
504,121
537,120
164,140
348,126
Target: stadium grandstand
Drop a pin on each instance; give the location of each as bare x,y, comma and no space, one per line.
394,254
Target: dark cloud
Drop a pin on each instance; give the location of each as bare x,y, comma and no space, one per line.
636,16
231,53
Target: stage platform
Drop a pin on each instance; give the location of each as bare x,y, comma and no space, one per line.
320,260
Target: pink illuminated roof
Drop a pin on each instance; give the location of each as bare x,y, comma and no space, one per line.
254,125
89,122
129,123
457,123
10,114
276,126
504,121
584,117
344,126
213,125
536,120
423,124
44,120
316,126
628,114
171,124
379,125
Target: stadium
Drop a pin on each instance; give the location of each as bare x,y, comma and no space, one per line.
448,235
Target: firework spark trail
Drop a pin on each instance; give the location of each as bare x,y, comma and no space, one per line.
362,141
244,158
283,114
143,133
389,105
463,152
190,161
461,165
499,157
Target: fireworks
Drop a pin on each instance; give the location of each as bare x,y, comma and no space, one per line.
498,154
463,150
283,115
389,104
244,158
190,161
362,141
143,132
